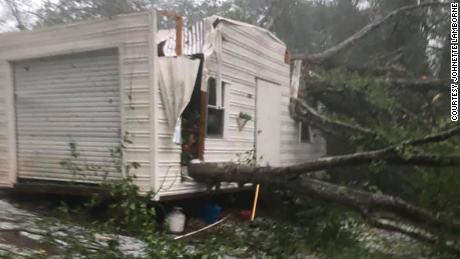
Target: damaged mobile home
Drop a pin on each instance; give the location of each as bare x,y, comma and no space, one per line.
76,99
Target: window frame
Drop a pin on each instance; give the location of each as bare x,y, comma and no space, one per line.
310,136
221,104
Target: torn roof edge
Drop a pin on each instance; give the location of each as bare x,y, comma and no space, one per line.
239,23
194,37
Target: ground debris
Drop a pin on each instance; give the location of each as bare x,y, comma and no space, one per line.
25,234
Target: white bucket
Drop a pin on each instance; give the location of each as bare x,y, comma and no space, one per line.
176,220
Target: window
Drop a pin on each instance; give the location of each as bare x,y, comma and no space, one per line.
216,103
304,132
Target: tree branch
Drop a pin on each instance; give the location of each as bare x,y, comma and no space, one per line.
435,137
418,235
361,201
16,13
364,202
304,112
421,85
275,10
319,58
367,203
220,172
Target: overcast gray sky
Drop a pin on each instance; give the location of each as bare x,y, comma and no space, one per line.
6,21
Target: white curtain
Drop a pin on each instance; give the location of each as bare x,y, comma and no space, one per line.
176,80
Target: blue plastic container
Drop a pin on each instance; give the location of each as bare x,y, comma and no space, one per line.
211,212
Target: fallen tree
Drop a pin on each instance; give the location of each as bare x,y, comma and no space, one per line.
294,178
247,174
364,202
371,206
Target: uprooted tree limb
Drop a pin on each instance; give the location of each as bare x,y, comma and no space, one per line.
390,155
415,233
296,179
361,201
369,205
421,84
246,174
365,203
218,172
321,57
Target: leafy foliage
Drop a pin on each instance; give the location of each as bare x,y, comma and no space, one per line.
130,211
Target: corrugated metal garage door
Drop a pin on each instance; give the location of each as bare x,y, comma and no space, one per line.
66,100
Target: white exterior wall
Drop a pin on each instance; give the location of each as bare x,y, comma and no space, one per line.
133,35
168,181
247,54
7,152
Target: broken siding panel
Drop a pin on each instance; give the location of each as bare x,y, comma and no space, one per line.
192,39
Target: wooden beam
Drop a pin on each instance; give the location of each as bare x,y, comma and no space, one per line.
179,28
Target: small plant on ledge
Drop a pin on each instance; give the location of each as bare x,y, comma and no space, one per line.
242,119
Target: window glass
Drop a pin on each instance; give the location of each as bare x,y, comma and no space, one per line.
305,136
215,123
216,109
212,92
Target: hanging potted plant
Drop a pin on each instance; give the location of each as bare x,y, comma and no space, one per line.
242,119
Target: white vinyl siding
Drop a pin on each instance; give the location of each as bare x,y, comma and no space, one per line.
5,140
245,57
246,54
133,35
68,99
